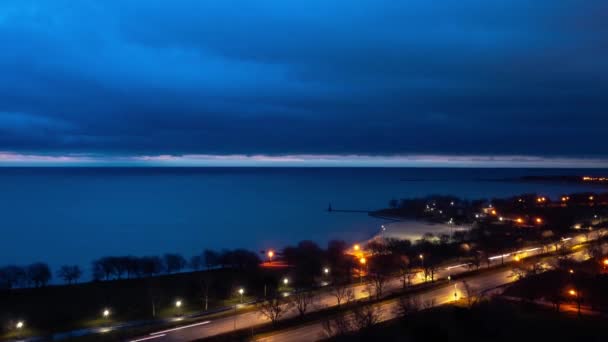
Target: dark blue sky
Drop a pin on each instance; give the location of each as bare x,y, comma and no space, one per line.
156,80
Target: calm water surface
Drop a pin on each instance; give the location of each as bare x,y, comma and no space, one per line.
74,215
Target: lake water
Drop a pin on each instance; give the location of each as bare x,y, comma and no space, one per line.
74,215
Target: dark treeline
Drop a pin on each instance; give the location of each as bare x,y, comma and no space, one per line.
118,267
108,268
35,275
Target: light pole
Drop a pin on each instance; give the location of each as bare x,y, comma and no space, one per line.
270,255
422,261
362,261
455,293
241,291
106,313
326,271
19,326
178,306
577,296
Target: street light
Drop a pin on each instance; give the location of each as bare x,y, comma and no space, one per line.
356,247
362,261
326,270
178,303
20,325
285,281
270,255
241,292
106,313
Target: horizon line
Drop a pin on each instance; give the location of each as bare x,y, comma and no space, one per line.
15,159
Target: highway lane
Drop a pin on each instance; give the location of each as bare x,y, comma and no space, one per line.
433,297
387,310
324,300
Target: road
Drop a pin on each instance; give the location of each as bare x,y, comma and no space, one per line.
324,300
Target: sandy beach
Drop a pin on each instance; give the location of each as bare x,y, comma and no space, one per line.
414,230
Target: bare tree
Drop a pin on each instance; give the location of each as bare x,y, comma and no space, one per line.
471,296
302,301
407,305
12,276
196,262
343,293
38,274
378,283
69,273
366,316
174,262
336,326
273,309
405,271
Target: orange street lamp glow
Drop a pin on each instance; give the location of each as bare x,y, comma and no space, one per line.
591,198
572,292
571,271
519,220
362,261
270,254
356,247
605,262
517,258
493,212
421,256
539,220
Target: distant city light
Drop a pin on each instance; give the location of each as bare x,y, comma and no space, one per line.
20,325
362,261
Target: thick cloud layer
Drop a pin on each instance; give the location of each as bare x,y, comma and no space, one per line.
469,77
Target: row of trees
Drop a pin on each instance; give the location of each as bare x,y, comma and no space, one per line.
108,268
34,275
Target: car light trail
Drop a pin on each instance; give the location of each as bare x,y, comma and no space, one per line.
461,265
148,338
499,256
180,328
